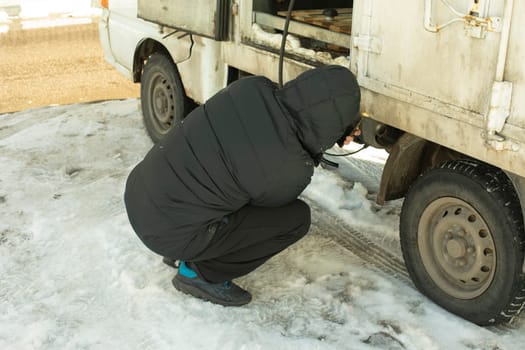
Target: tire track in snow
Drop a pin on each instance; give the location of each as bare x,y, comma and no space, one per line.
371,253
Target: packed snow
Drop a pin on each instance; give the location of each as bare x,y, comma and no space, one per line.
73,275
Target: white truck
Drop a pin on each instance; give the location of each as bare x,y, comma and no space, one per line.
443,91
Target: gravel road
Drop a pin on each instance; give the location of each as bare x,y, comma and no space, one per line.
55,65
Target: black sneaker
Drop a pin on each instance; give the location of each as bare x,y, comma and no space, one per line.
170,262
226,293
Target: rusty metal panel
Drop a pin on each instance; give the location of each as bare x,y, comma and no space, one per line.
437,74
449,65
203,17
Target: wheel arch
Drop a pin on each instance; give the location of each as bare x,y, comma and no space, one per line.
409,157
197,61
145,48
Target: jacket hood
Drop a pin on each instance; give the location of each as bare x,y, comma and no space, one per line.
323,103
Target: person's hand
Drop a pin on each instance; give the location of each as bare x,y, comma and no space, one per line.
350,137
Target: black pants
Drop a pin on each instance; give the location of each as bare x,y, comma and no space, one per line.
249,237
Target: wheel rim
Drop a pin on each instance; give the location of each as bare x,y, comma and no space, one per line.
457,248
162,103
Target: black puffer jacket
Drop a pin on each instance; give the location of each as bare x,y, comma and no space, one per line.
248,144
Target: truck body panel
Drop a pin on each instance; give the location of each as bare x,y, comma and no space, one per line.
203,17
435,85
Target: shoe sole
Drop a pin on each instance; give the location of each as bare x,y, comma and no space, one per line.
186,288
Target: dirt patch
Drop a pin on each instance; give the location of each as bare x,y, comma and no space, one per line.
56,66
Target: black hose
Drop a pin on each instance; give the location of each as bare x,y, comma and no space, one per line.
283,41
347,153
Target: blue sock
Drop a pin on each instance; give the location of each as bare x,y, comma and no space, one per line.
185,271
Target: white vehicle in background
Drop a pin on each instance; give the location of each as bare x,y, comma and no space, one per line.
10,7
443,91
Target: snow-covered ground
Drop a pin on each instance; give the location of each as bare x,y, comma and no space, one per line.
73,275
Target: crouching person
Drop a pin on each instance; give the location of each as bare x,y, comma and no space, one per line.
219,193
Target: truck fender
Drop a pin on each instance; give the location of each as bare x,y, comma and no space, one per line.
401,168
145,48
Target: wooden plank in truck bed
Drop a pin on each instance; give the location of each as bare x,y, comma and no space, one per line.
342,23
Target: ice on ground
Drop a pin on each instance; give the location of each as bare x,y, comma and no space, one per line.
73,275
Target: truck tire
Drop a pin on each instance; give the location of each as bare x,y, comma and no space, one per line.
163,100
462,238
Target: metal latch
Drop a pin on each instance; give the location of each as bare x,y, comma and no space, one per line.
477,27
476,20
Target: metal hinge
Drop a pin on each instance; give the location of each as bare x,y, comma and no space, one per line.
367,43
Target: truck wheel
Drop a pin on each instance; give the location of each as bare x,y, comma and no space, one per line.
163,100
462,237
